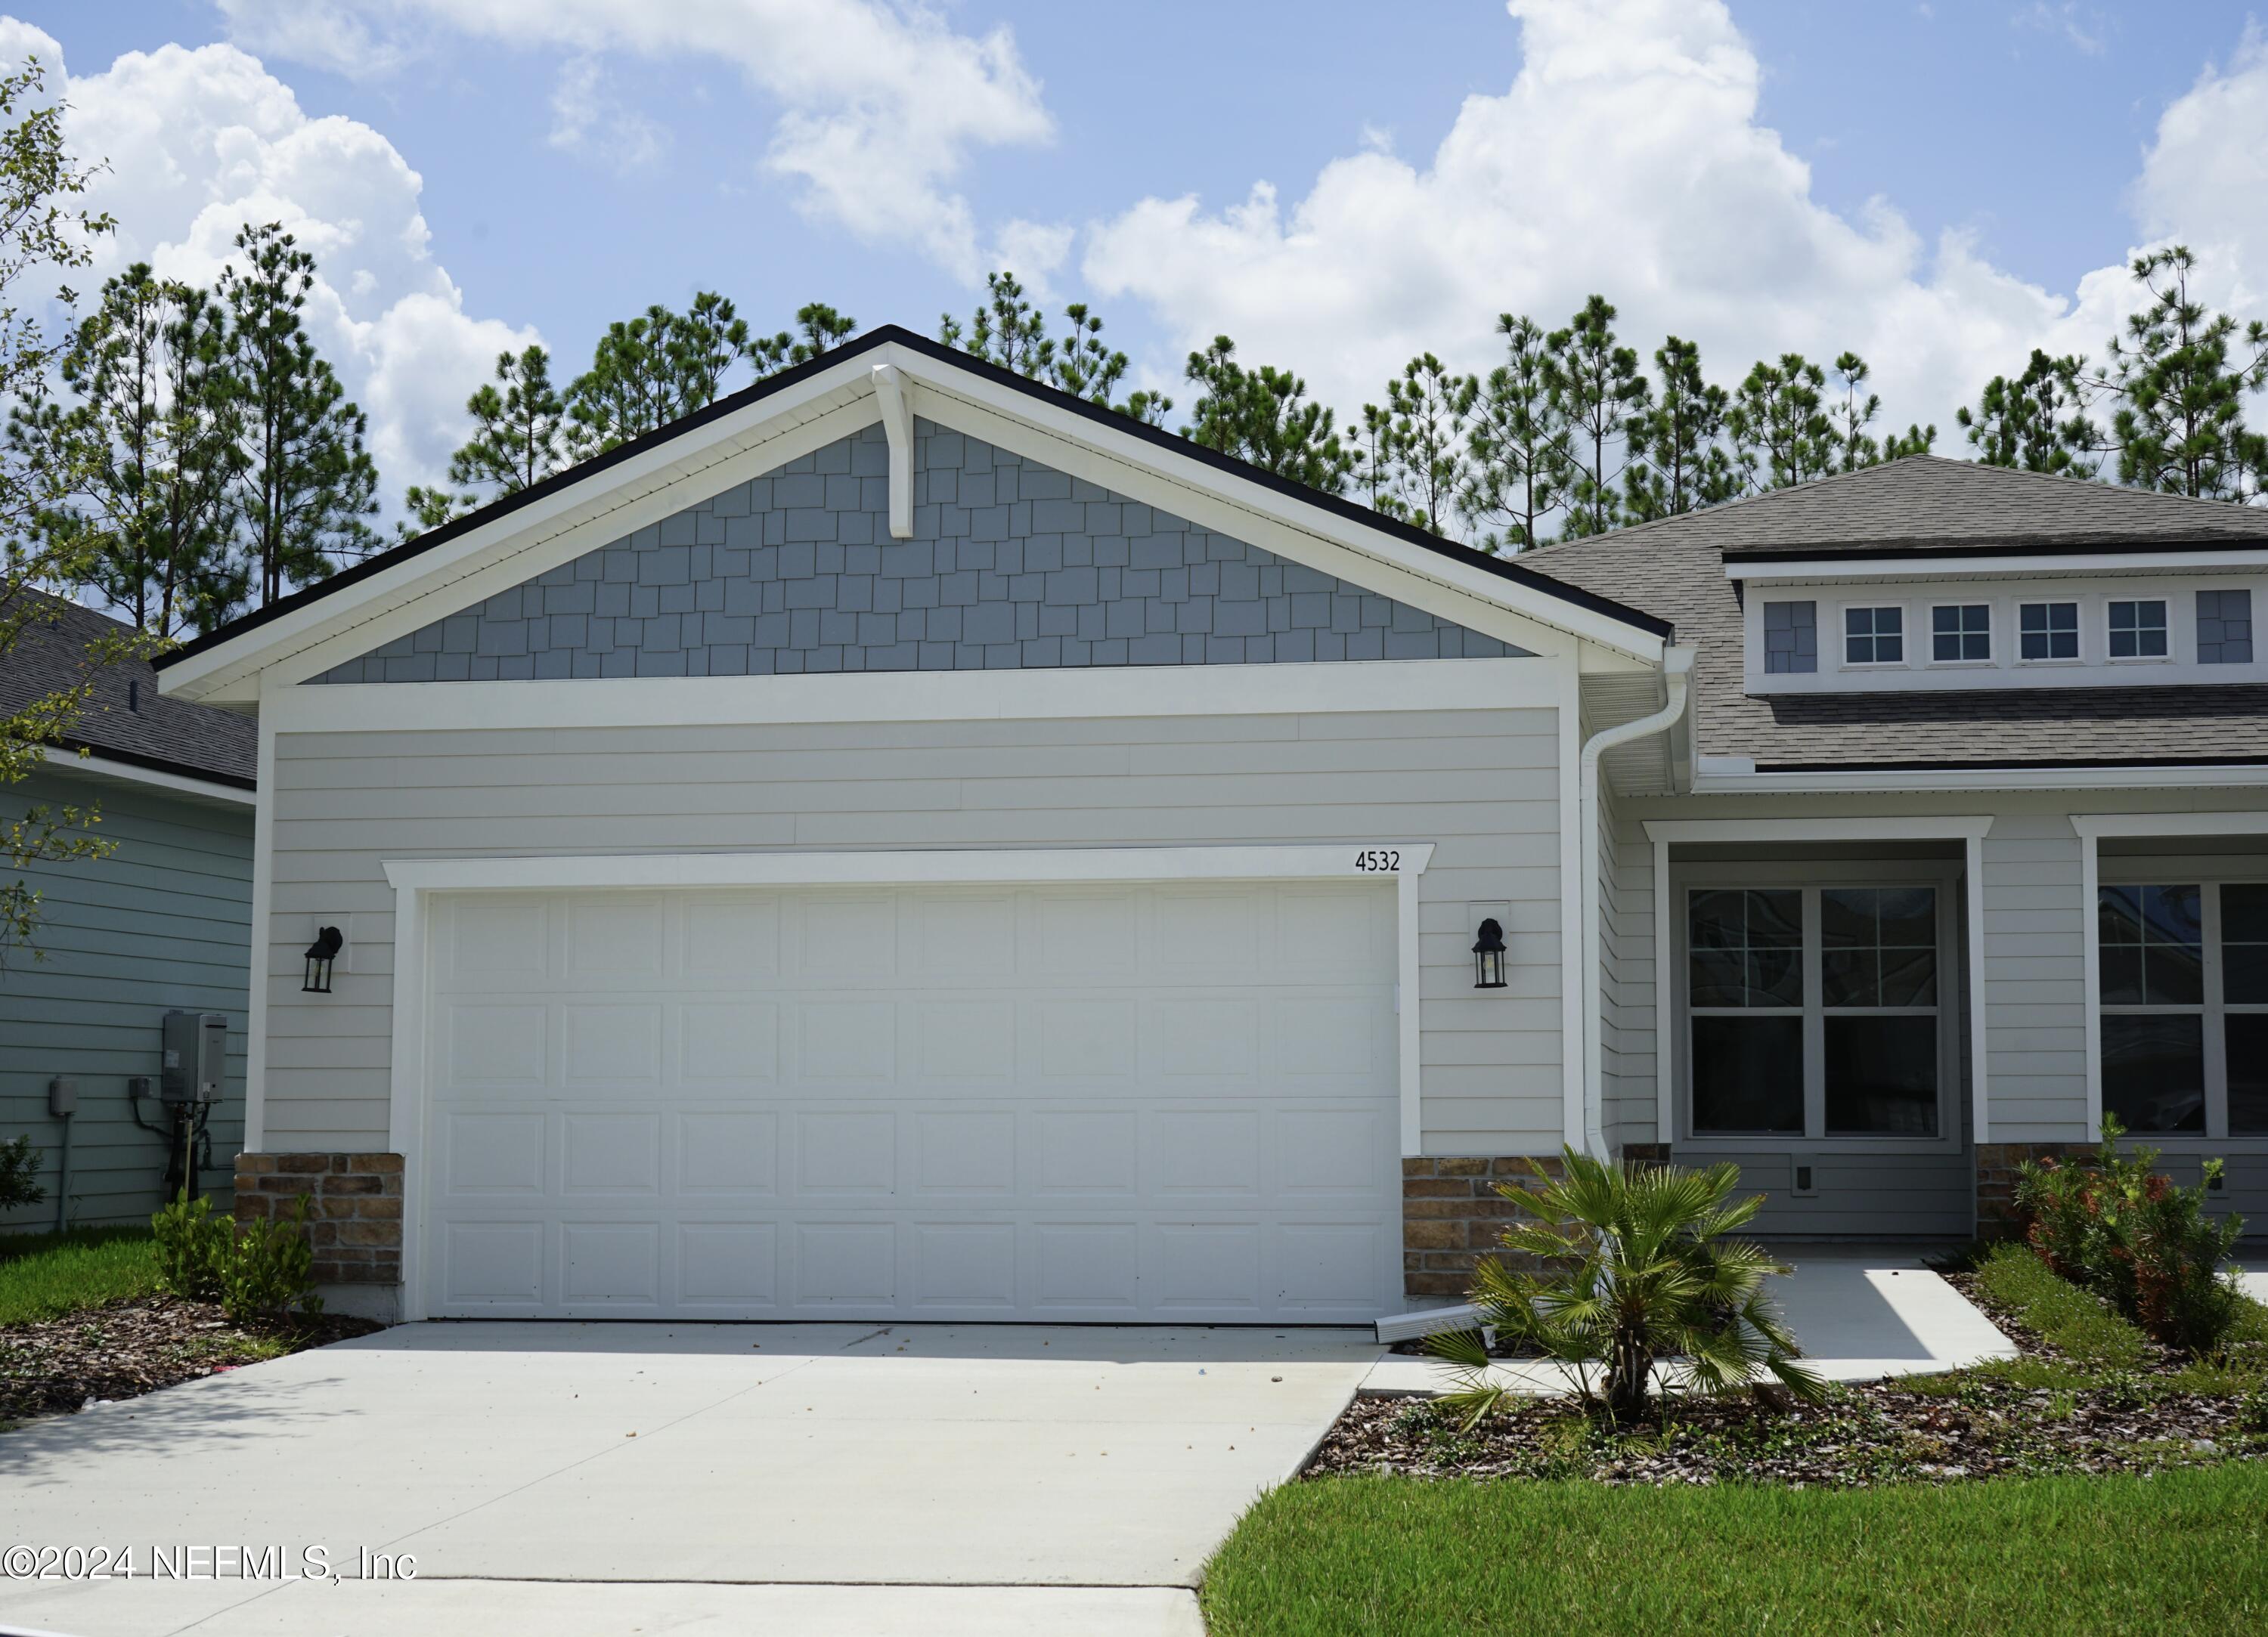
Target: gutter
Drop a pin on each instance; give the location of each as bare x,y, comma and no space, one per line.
1677,676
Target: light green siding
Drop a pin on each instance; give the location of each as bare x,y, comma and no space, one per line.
164,922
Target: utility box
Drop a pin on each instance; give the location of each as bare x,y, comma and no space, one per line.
195,1057
62,1096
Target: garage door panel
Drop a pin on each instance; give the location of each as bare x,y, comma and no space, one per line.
733,1267
949,1103
728,1152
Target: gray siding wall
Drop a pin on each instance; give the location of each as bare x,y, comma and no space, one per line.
1483,785
165,922
2035,993
1012,564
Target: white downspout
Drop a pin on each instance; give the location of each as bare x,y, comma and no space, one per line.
1677,673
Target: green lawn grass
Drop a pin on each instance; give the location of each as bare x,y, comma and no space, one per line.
2183,1552
45,1275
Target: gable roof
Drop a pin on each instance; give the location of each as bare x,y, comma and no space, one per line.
126,720
792,391
1924,506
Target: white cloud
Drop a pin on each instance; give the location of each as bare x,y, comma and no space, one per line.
587,119
881,105
2085,31
1626,157
199,143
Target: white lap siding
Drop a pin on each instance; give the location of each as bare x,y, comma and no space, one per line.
1479,784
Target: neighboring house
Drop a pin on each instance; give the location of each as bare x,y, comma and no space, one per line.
162,923
906,843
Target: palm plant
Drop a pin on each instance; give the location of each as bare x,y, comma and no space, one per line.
1634,1269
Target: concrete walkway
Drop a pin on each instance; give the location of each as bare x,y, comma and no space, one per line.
606,1478
1859,1314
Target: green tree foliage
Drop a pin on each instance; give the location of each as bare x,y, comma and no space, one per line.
1007,330
1264,416
519,427
2036,421
1601,391
1416,460
306,484
152,437
2179,376
1779,422
1852,419
1521,470
44,232
1678,460
820,328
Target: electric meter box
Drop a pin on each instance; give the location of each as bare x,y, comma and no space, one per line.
195,1057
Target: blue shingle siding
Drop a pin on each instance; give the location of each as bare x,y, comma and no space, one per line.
1013,564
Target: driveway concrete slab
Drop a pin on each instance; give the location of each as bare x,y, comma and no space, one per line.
678,1455
1859,1315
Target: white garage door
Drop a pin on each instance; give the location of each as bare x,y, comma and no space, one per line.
1075,1102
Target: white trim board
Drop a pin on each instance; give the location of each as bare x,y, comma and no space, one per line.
2012,565
1949,781
414,880
94,764
2091,828
1970,829
1370,685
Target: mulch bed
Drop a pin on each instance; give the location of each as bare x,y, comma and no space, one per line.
64,1365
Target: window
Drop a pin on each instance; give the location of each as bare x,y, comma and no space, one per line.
1815,1011
2182,977
2047,631
1873,637
2224,628
1791,637
1961,631
2138,630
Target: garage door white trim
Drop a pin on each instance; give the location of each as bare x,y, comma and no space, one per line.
415,880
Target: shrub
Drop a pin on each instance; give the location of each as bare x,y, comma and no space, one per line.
1637,1269
19,1164
262,1273
193,1248
2117,1226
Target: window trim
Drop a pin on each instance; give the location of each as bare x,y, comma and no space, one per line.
1951,1010
1988,661
2078,656
1843,636
2165,626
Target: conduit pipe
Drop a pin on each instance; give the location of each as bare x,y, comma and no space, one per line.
1677,676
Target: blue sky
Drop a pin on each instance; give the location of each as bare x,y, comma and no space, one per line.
1934,184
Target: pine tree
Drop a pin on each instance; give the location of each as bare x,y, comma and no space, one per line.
1678,460
1264,416
1850,417
1520,467
1007,330
2180,375
822,329
631,387
519,433
1600,391
1781,431
306,483
1427,464
2037,420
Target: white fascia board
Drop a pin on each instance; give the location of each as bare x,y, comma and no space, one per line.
1373,684
1825,571
1927,781
952,867
2094,825
619,500
96,765
1961,827
1309,535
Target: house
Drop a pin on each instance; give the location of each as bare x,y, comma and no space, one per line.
163,923
906,843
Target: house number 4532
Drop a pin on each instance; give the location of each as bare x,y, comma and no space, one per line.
1379,859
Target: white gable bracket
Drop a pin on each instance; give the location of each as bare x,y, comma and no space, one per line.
894,392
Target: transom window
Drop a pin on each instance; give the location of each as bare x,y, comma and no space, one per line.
1815,1011
2047,631
1873,637
1959,631
2182,980
2137,629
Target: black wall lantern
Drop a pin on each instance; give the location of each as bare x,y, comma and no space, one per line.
320,954
1487,957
